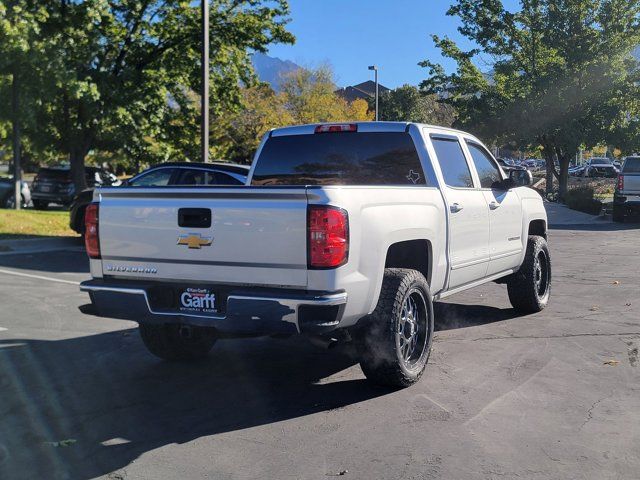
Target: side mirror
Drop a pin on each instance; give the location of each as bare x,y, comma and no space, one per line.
520,178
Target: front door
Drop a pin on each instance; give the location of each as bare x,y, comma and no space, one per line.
505,212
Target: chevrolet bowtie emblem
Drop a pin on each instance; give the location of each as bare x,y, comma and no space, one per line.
194,240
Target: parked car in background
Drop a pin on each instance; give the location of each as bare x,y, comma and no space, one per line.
600,167
626,199
508,165
190,173
7,196
534,164
55,184
577,171
165,174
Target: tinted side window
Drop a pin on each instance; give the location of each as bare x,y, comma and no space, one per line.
452,162
363,158
487,169
192,177
156,178
53,175
224,179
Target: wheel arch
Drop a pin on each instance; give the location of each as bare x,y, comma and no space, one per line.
413,254
538,227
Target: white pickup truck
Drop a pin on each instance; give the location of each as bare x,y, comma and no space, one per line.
345,232
626,199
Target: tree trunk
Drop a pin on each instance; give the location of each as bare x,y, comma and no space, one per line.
550,168
76,159
15,120
564,177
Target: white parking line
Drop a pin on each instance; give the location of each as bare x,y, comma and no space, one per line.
2,329
39,277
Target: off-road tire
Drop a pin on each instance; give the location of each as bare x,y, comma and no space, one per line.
380,354
526,293
617,214
166,342
40,204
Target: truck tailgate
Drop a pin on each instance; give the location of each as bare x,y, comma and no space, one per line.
631,183
257,235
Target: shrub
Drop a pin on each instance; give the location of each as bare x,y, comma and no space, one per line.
582,199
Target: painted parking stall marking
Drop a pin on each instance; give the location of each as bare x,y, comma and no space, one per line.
39,277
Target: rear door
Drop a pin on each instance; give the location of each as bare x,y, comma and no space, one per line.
505,211
467,210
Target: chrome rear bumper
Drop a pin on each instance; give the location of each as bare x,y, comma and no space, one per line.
246,312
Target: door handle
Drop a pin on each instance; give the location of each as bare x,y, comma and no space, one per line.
494,205
455,207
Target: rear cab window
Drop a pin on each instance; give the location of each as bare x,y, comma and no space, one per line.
344,158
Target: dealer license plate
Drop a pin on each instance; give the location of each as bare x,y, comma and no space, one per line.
197,300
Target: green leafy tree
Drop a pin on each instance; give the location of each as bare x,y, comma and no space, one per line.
20,53
562,74
122,72
263,109
407,103
307,96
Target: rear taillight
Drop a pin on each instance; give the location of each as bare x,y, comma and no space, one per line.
620,185
328,236
91,239
337,128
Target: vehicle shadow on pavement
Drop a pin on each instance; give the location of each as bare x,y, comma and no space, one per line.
88,406
450,316
600,227
60,261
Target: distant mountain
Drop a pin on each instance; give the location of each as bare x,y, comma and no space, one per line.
271,69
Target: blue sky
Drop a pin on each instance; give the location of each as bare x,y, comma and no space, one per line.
352,34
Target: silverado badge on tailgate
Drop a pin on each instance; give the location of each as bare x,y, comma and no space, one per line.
194,240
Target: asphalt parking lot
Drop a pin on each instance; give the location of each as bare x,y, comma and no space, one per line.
552,395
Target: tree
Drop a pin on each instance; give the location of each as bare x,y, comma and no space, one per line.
408,104
263,109
122,72
19,52
562,75
307,96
